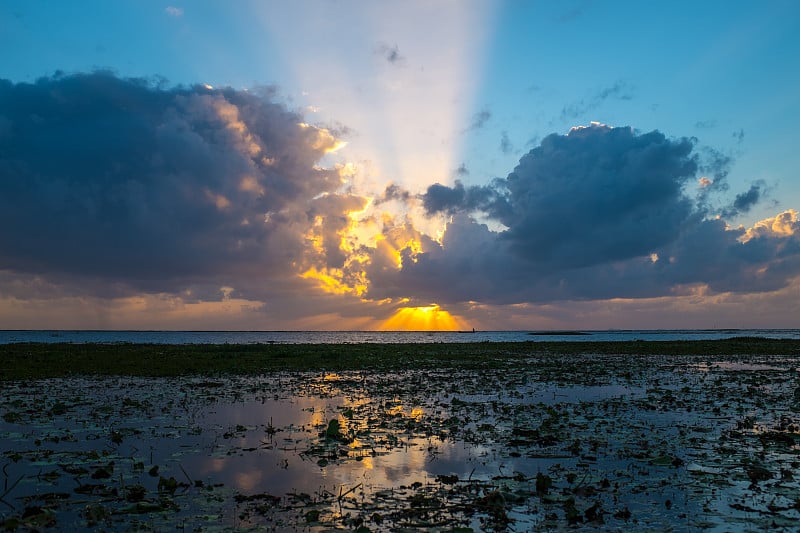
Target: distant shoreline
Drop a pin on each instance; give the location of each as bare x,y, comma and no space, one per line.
381,337
558,333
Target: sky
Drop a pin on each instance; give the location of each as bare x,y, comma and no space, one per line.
351,165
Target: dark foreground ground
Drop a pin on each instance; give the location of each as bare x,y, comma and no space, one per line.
644,436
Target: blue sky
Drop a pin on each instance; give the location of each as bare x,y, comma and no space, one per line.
393,98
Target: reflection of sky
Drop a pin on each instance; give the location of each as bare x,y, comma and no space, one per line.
279,464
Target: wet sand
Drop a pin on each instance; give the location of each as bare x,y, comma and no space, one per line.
524,436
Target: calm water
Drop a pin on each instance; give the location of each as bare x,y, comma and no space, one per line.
350,337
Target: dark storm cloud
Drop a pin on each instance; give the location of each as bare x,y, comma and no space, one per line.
725,259
596,194
476,264
152,187
598,213
393,192
466,266
440,197
746,200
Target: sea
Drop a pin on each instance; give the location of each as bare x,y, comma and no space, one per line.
388,337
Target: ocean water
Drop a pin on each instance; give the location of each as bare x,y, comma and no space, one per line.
352,337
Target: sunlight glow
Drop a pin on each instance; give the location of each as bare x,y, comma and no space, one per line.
784,225
251,185
325,140
331,280
409,112
218,200
404,125
428,318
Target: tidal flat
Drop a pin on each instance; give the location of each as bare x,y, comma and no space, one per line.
646,436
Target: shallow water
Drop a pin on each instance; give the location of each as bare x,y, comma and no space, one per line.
673,443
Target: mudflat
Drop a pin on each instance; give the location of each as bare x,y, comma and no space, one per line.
450,437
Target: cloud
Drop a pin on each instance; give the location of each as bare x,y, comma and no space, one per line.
124,186
128,196
441,198
717,165
576,12
393,192
390,54
575,198
598,213
694,309
464,267
705,124
174,11
479,120
621,90
505,143
746,200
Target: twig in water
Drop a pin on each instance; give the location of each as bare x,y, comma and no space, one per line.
10,489
341,496
185,474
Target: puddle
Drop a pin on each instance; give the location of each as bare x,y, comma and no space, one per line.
604,442
737,366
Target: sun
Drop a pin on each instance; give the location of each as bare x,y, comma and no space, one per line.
428,318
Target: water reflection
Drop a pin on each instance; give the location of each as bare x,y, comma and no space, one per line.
671,444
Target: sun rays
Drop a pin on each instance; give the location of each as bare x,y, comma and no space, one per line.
427,318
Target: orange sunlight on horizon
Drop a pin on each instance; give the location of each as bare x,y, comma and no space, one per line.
428,318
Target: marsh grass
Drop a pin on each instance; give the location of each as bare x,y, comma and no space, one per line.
34,360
